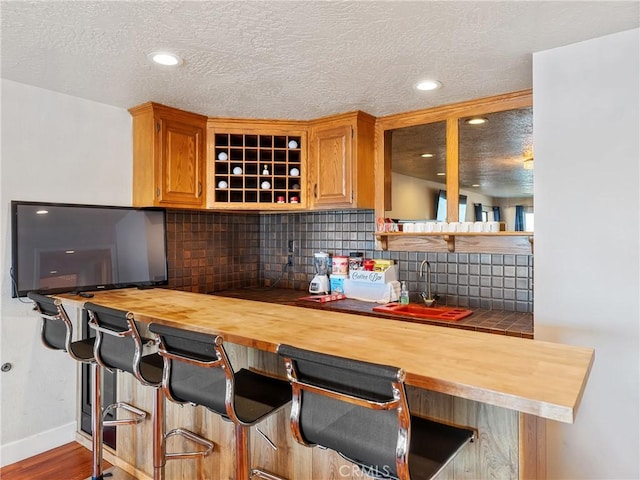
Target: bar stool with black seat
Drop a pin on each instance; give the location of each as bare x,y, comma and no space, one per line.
56,330
360,410
197,370
56,333
119,346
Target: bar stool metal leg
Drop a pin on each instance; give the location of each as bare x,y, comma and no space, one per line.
158,435
242,457
160,454
96,423
242,454
258,473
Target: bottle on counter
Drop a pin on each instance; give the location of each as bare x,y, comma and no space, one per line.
404,294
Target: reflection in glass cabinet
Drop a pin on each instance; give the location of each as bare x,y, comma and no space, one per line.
496,168
489,169
418,172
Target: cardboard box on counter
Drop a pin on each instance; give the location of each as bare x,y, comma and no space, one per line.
366,276
372,292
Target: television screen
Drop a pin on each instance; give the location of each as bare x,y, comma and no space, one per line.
62,248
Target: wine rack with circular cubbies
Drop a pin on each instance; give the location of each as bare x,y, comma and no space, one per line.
258,169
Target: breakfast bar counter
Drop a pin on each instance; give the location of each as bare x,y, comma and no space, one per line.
502,385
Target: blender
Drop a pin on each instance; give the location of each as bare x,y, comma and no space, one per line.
320,282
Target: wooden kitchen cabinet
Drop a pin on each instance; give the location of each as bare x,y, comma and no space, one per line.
256,164
169,148
341,161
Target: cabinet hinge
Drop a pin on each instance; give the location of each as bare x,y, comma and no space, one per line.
352,195
158,192
351,133
158,127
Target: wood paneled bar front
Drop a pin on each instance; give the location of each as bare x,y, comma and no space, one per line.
503,386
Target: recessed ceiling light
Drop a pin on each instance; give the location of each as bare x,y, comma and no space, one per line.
440,174
42,212
475,185
70,252
427,155
166,59
475,121
429,85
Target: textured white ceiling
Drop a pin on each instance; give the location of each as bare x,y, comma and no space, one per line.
292,59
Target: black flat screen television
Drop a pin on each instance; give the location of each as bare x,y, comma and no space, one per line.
65,248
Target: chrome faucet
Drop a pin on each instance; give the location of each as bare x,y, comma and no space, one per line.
428,299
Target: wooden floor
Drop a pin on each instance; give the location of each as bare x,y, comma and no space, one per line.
68,462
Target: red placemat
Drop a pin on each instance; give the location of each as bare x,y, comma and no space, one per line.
324,298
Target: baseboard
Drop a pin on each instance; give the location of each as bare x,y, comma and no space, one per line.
35,444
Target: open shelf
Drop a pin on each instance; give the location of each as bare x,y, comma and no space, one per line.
481,242
260,169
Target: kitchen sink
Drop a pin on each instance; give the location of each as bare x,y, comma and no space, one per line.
413,310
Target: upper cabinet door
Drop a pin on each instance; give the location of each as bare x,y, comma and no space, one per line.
332,157
168,157
342,162
181,162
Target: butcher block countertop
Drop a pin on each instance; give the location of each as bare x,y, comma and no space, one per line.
500,322
529,376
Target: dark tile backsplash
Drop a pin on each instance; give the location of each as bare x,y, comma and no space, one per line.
218,251
336,232
210,251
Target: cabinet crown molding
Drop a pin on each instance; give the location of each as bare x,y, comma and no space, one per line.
160,108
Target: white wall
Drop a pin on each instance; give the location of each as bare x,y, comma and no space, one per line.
413,198
586,124
55,148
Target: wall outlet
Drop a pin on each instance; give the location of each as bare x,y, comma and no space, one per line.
292,246
290,260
